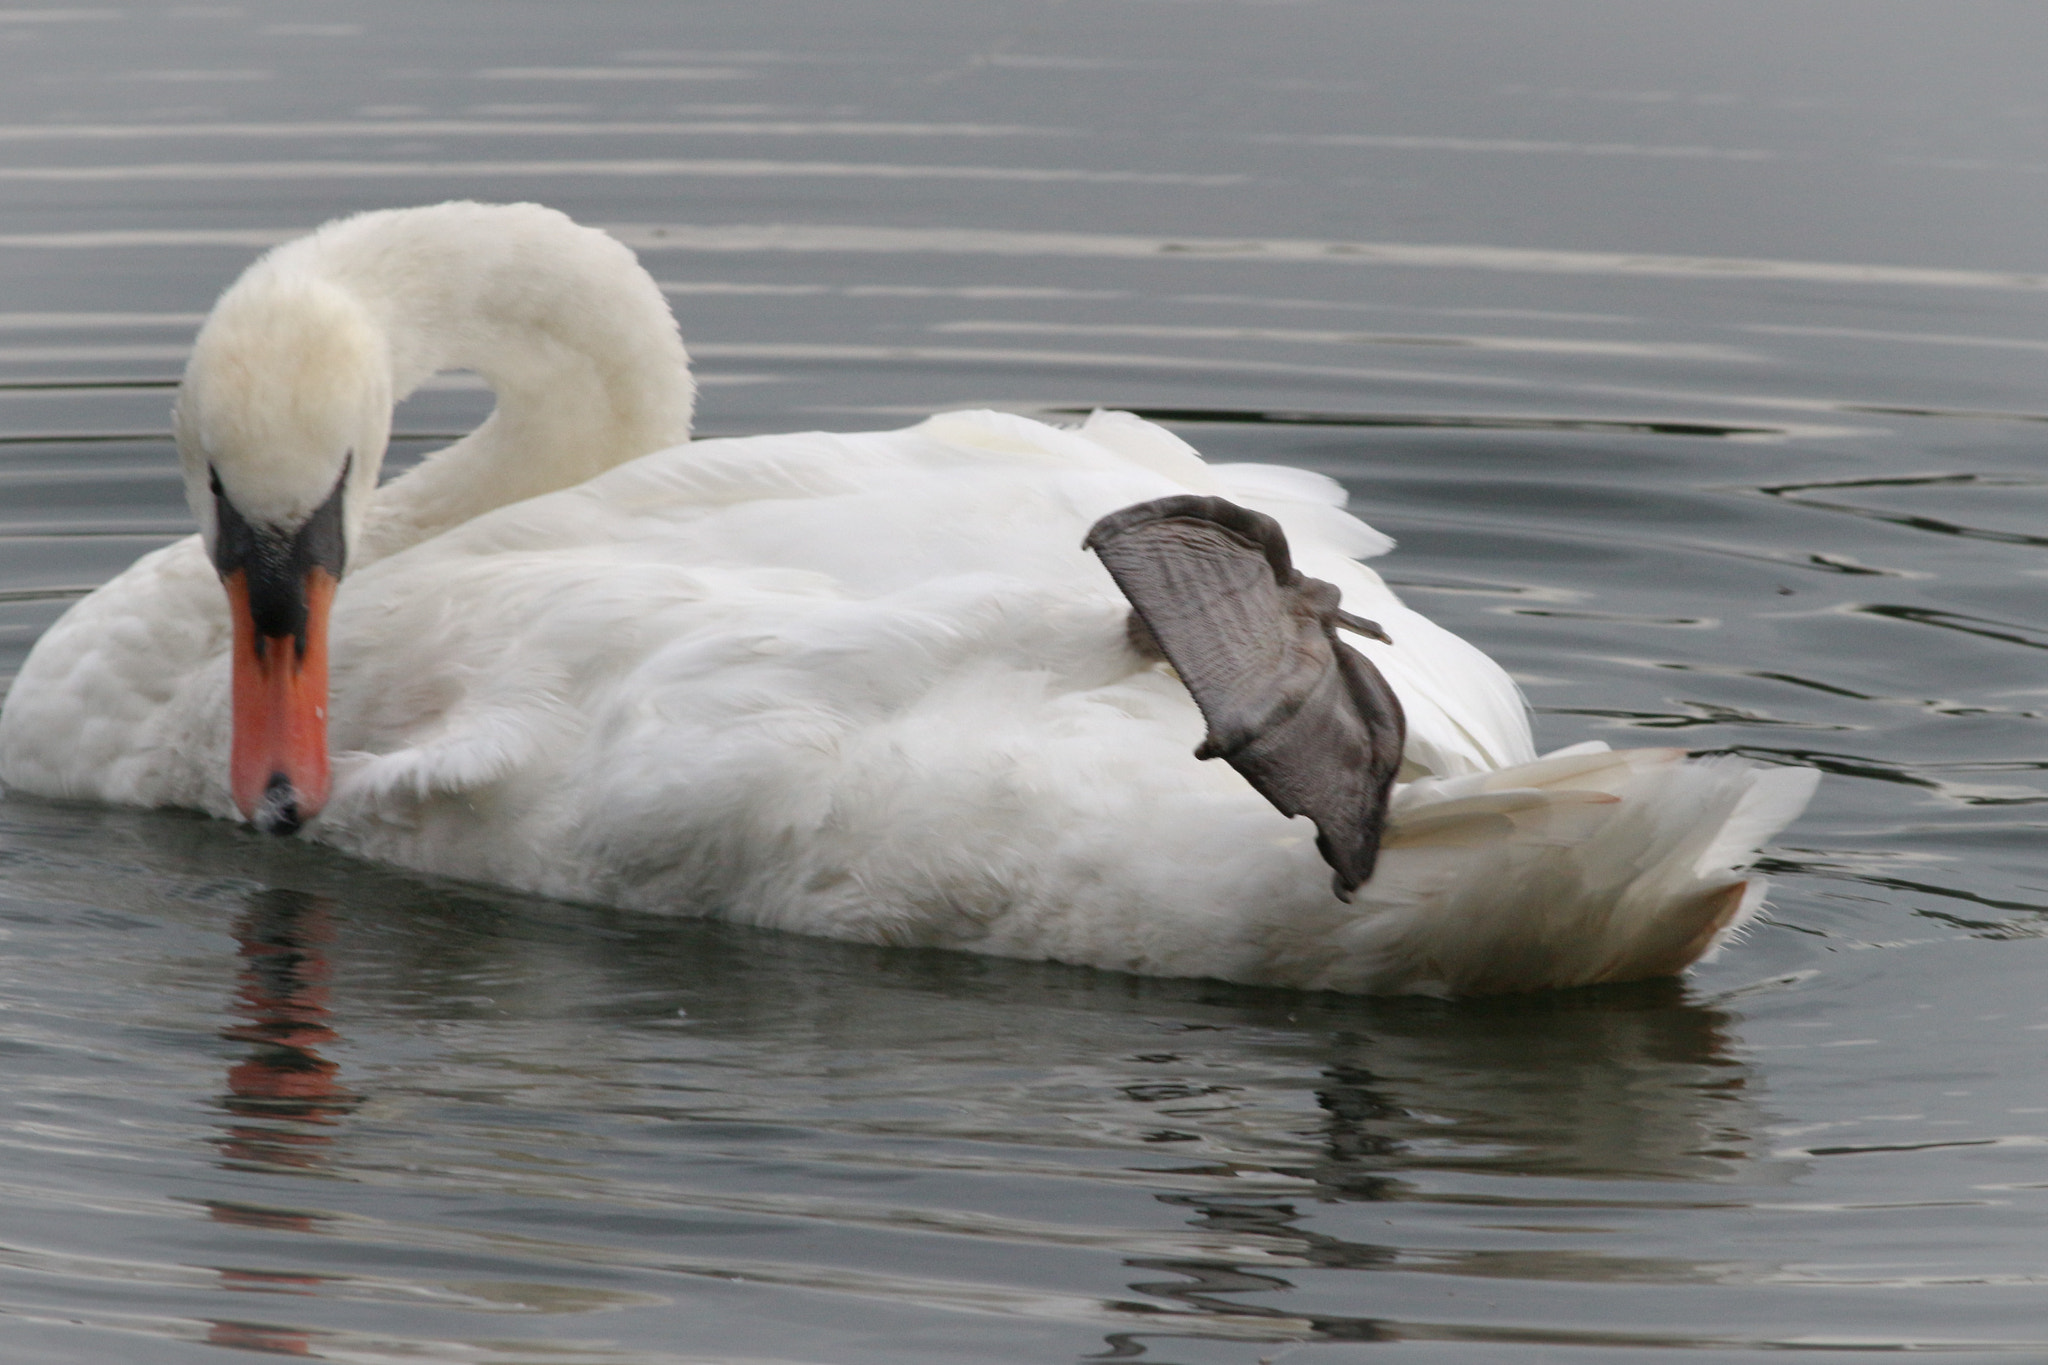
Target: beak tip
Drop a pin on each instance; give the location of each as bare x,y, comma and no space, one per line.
280,810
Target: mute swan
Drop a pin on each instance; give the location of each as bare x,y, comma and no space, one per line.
868,686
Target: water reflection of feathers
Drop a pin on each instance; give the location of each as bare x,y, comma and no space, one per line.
1635,1083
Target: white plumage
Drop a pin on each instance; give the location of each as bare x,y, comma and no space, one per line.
868,685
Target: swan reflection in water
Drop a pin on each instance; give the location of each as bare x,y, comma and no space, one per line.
285,1095
289,1093
1435,1103
1303,1147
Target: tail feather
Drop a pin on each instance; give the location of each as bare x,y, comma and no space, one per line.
1578,868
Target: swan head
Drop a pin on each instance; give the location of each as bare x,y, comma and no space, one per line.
282,422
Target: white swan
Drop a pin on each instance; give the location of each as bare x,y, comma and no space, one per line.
868,686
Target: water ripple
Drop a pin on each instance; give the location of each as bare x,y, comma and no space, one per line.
1301,336
662,168
1801,495
1524,146
1448,421
512,128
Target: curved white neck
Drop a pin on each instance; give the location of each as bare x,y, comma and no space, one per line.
573,337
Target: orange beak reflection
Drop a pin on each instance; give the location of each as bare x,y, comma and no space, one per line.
279,767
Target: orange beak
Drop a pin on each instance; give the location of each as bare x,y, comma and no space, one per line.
279,767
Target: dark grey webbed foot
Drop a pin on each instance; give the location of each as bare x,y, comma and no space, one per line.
1307,719
1139,637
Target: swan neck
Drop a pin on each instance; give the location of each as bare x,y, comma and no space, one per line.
574,339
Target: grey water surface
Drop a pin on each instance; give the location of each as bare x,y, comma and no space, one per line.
1696,354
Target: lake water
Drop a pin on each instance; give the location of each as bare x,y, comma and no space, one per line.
1694,354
